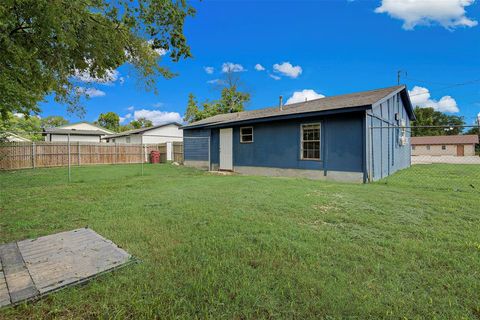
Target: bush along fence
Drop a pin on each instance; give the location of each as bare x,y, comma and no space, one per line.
23,155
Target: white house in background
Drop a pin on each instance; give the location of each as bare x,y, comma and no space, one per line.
163,133
78,132
12,137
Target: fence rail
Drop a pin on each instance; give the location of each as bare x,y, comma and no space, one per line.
23,155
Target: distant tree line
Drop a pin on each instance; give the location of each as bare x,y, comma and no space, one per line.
435,123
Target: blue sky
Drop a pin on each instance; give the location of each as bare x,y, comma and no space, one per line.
340,46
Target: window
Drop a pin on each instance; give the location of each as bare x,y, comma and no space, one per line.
127,139
113,140
413,147
310,143
246,135
428,147
444,147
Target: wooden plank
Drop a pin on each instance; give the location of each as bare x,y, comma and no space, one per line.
20,284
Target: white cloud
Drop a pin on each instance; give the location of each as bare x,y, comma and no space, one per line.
130,108
420,96
306,94
232,67
274,77
157,116
121,80
91,92
209,70
259,67
287,69
108,79
127,116
214,81
447,13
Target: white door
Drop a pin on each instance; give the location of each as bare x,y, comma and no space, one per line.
226,140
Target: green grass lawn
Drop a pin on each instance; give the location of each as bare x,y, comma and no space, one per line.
237,247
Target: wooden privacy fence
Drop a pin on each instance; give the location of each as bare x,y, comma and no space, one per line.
22,155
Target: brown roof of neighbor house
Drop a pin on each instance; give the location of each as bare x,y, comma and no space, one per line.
461,139
358,99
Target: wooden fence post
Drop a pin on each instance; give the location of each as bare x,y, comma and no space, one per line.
78,154
33,155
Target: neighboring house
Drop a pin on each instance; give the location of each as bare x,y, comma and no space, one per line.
460,146
164,133
12,137
76,132
353,137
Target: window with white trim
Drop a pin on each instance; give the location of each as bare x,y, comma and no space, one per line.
127,139
310,144
246,134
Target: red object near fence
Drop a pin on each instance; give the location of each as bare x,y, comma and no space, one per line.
155,156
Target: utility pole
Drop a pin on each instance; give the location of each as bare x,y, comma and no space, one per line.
399,74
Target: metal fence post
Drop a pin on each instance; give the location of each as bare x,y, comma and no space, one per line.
69,168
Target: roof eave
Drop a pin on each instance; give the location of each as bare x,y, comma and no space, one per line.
283,117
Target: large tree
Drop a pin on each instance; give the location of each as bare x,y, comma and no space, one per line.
109,120
44,44
26,126
231,100
141,123
53,121
436,123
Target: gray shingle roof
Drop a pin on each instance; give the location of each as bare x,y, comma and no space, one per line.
364,98
75,132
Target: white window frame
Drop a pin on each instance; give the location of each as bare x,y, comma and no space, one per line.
241,135
319,141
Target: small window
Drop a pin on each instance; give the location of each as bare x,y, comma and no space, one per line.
310,143
246,135
413,147
113,140
127,139
444,147
428,147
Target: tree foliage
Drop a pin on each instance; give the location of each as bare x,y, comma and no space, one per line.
53,121
109,120
231,100
430,117
45,43
26,126
141,123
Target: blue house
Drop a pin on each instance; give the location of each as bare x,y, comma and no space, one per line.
357,137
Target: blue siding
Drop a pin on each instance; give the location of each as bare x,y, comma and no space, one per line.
385,153
195,144
277,145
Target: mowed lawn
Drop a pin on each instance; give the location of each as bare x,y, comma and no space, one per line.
241,247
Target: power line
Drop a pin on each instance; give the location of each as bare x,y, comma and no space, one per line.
450,86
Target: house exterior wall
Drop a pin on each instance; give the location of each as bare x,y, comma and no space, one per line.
163,134
134,139
384,152
276,149
73,138
436,150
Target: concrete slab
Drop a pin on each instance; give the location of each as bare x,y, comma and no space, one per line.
34,267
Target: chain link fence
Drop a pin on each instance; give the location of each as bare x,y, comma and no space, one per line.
445,157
